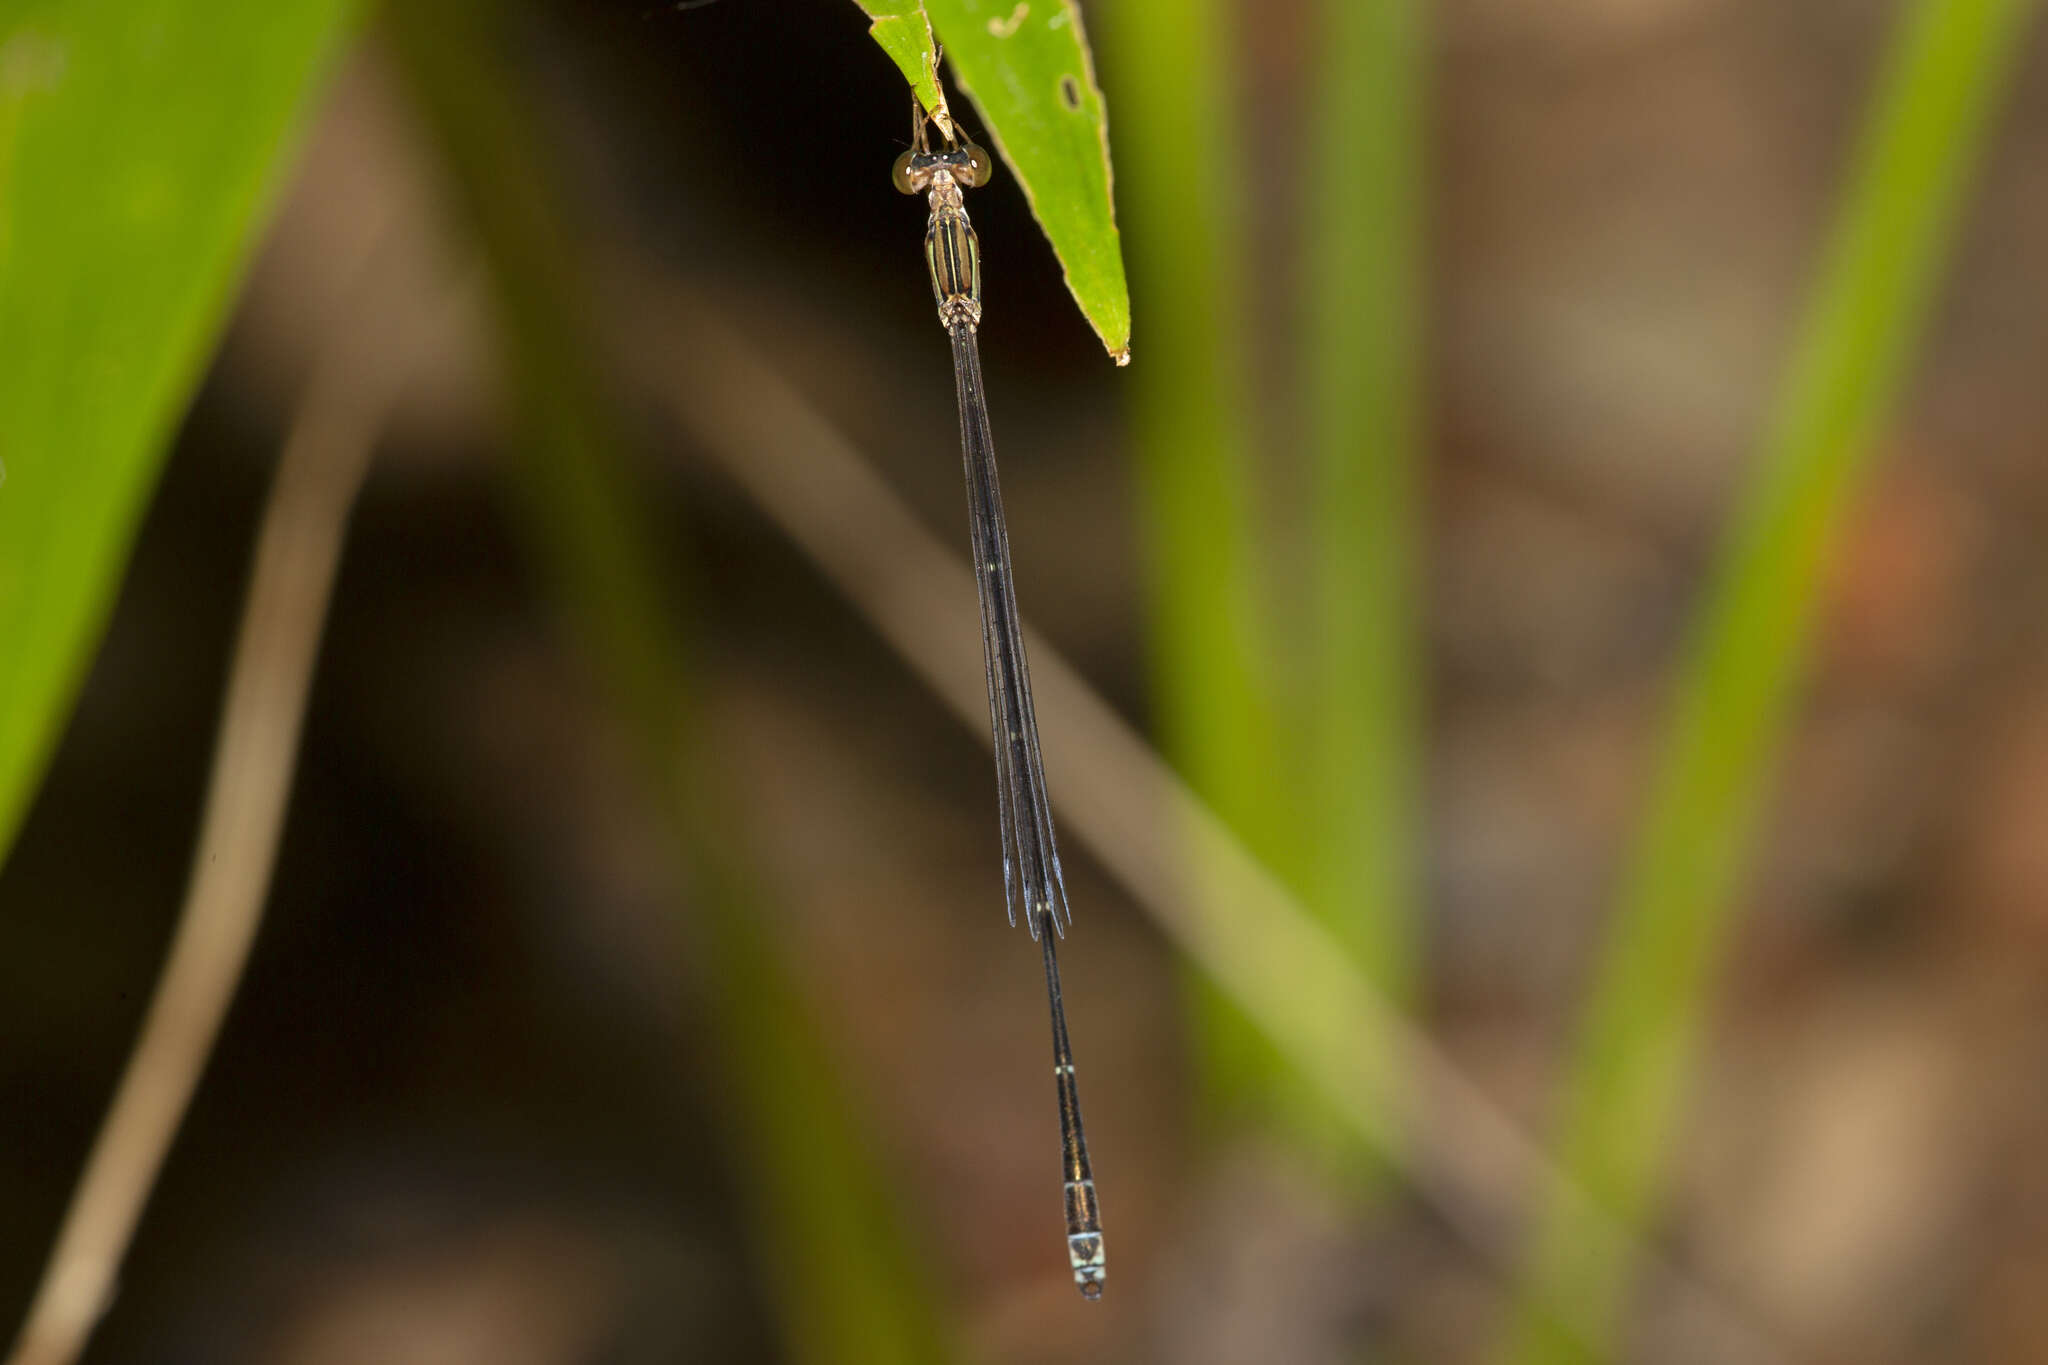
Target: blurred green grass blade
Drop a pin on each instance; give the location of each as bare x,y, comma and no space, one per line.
902,30
1172,65
138,142
1028,70
1894,227
825,1223
1362,304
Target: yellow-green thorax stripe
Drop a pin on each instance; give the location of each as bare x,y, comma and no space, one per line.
954,255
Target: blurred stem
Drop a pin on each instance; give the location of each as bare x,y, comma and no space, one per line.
828,1241
1362,305
1893,230
1179,173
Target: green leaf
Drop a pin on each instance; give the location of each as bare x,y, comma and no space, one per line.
1027,68
138,139
905,33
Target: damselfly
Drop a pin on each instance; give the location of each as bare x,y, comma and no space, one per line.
1031,859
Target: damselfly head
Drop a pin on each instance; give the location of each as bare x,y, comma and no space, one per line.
966,162
961,160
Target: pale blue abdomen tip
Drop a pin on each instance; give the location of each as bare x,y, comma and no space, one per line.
1084,1249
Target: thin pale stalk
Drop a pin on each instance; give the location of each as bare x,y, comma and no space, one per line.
1378,1074
298,551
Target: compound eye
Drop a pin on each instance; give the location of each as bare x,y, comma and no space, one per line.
978,166
901,174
